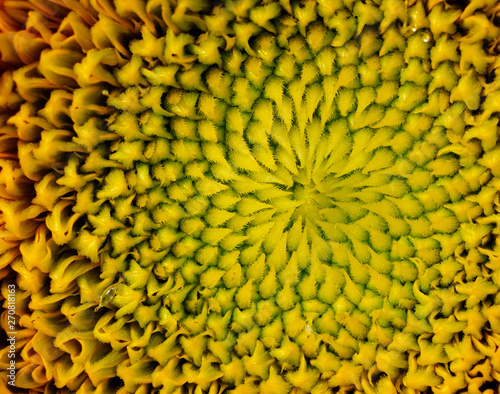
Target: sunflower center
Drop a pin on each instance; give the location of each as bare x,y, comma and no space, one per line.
310,195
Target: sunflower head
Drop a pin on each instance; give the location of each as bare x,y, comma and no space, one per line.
250,196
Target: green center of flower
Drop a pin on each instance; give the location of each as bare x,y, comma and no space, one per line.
312,178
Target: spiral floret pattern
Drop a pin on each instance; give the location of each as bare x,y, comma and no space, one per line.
253,196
